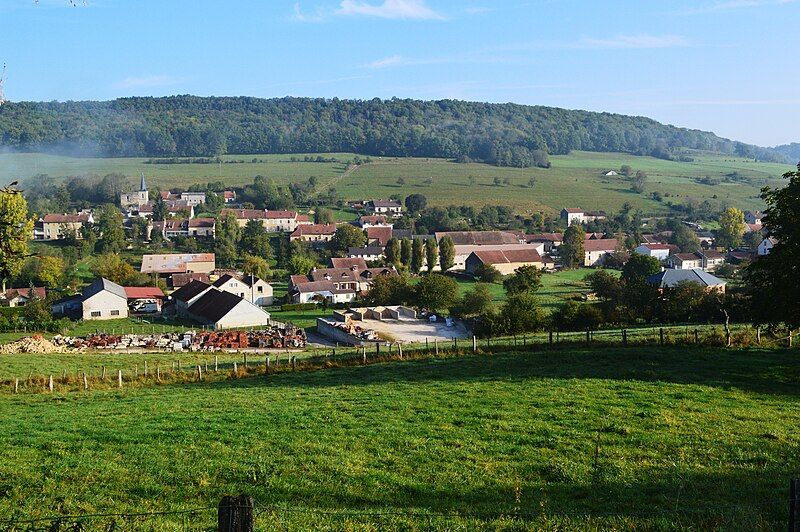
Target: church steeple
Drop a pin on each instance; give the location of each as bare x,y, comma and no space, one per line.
142,184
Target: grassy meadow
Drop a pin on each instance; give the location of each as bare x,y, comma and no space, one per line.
574,180
643,438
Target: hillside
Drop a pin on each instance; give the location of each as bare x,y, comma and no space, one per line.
657,438
575,179
501,134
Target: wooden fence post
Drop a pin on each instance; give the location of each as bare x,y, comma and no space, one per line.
696,337
216,363
235,369
294,363
588,336
85,382
364,355
436,346
400,350
145,368
474,344
624,337
551,337
119,378
790,338
16,385
661,336
50,384
427,349
794,505
758,335
199,373
245,360
235,514
104,373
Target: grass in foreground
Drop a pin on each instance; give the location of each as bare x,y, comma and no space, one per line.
648,438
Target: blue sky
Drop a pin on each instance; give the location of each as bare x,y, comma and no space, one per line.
722,65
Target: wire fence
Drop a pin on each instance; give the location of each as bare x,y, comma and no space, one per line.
243,513
205,367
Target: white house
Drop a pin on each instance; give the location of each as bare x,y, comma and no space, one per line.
385,207
754,218
369,253
193,198
18,297
685,261
766,246
572,215
250,287
659,251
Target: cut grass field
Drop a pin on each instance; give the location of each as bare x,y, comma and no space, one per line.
645,438
573,180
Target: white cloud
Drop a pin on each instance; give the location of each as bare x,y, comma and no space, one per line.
634,42
389,9
146,81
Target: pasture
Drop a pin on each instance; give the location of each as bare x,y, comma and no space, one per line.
642,438
574,180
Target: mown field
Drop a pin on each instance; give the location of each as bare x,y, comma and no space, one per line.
574,180
644,438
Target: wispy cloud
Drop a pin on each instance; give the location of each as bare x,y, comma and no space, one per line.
634,42
146,81
520,53
729,5
299,16
390,9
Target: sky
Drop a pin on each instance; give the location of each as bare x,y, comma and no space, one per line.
727,66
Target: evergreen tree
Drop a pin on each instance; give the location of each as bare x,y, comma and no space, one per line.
406,250
392,251
572,248
447,253
431,254
417,255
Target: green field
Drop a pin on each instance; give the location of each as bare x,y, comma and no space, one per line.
644,438
573,180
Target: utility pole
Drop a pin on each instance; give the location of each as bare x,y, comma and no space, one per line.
2,81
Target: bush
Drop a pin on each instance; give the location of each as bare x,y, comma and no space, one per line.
298,306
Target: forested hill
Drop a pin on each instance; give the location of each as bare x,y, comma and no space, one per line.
791,151
503,134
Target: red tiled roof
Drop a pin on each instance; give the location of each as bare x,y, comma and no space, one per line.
315,229
65,218
380,233
40,291
358,262
601,244
508,256
143,292
574,210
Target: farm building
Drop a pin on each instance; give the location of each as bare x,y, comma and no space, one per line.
506,262
222,310
369,253
170,263
659,251
101,300
671,278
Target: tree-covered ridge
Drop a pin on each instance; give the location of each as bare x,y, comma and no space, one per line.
791,151
503,134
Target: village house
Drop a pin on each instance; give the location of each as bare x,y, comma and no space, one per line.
18,297
169,263
101,300
177,280
337,285
196,227
754,218
684,261
183,297
389,208
710,259
174,208
368,253
373,221
572,215
193,198
57,226
273,221
506,262
595,252
766,246
670,278
550,240
659,251
316,234
248,287
228,196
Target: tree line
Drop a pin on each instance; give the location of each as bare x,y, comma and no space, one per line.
191,126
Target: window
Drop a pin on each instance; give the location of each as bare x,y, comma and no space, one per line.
115,313
95,314
260,289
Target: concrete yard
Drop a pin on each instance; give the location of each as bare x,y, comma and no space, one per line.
408,331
